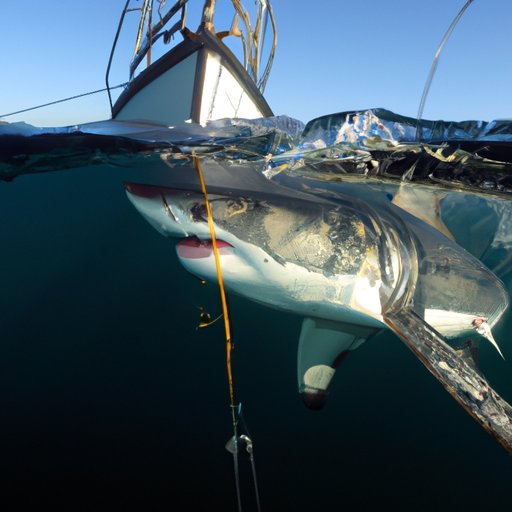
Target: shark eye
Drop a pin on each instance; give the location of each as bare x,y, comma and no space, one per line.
198,212
332,217
228,208
236,206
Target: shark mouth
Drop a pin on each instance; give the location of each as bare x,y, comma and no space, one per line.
193,248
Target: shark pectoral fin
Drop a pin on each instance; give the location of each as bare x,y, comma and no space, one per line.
323,344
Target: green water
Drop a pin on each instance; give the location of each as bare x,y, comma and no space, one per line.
111,399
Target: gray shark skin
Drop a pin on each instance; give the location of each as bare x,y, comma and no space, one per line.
349,264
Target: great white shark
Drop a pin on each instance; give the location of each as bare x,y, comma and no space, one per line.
348,261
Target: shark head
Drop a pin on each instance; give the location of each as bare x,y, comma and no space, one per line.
300,257
339,264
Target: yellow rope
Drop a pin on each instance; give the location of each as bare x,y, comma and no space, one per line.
225,312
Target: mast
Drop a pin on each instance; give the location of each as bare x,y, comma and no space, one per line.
208,11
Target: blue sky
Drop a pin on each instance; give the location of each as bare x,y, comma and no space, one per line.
332,56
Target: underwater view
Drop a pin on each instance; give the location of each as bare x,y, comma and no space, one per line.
210,306
113,394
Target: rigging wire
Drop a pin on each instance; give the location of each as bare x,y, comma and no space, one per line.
63,100
146,7
434,67
249,447
269,15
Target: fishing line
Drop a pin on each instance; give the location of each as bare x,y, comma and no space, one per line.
249,447
220,280
434,67
63,100
232,445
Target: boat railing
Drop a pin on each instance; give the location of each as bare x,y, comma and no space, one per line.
154,31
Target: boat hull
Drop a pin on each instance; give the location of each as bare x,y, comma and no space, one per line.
199,80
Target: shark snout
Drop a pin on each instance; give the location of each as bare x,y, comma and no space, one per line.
151,202
142,191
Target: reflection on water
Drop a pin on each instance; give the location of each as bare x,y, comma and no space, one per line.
110,395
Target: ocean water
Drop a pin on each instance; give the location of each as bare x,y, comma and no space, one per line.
111,399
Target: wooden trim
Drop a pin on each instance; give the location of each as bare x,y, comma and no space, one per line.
197,96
